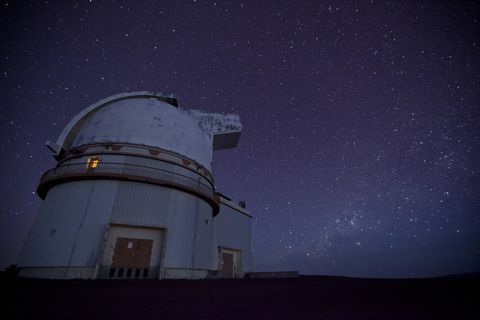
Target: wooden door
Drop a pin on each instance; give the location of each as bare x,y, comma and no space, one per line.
132,253
227,265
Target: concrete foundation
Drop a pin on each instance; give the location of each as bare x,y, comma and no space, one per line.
58,273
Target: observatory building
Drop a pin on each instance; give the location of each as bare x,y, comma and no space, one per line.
133,196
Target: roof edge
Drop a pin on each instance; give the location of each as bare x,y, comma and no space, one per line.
234,206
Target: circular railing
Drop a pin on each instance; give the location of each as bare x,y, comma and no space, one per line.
124,171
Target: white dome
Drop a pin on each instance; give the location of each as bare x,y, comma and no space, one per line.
150,122
147,118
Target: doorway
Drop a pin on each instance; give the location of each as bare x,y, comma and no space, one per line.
227,265
132,252
230,263
131,258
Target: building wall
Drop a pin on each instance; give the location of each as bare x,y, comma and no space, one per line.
232,231
189,236
70,225
136,138
139,203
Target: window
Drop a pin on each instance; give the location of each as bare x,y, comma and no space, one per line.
93,162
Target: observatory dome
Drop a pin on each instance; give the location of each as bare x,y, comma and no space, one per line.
143,120
132,196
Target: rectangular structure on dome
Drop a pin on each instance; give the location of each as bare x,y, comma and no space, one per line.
225,128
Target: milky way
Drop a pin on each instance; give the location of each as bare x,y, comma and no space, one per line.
360,149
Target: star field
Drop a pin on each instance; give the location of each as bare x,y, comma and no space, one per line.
360,149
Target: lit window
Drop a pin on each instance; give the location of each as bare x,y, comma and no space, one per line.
92,163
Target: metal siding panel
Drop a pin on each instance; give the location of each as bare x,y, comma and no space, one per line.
90,238
141,204
181,227
232,230
204,255
189,240
61,211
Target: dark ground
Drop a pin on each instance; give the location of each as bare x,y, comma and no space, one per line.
300,298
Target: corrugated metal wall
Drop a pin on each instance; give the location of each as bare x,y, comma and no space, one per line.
141,204
189,236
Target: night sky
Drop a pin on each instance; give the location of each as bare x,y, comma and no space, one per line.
360,151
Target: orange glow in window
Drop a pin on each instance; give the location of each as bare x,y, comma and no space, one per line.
93,163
